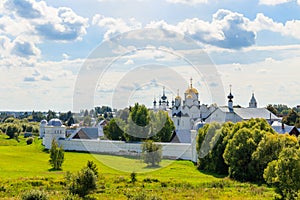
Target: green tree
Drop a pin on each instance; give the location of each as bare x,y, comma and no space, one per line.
162,126
13,130
284,173
114,129
211,143
268,150
291,118
50,115
56,156
151,153
138,127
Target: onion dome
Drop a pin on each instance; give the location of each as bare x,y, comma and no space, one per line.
191,89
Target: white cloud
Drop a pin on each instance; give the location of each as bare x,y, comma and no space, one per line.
129,62
27,22
290,28
115,26
188,2
274,2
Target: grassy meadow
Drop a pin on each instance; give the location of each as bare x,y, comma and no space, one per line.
25,167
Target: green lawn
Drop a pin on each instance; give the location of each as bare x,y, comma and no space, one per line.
24,167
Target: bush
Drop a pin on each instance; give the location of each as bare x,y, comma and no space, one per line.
151,153
35,195
92,166
133,177
83,182
29,140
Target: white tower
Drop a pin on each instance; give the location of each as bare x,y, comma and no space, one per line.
42,128
54,130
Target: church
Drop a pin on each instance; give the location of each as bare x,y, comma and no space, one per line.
188,114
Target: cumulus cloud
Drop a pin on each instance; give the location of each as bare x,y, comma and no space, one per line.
24,49
23,8
35,20
115,26
290,28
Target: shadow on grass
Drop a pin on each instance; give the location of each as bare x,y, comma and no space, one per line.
152,167
213,174
54,170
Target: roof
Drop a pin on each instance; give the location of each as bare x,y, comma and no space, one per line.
86,133
182,136
277,126
248,113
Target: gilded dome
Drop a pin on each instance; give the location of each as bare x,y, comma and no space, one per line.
191,90
177,97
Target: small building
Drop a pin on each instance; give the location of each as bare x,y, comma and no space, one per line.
90,133
282,128
52,130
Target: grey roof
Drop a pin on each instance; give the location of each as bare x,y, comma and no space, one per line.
184,136
89,133
277,126
248,113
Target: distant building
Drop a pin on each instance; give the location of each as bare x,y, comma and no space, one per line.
228,113
282,128
52,130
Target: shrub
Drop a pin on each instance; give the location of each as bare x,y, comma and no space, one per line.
29,140
83,182
133,177
92,166
152,153
35,195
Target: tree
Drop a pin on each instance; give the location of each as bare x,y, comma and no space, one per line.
87,120
238,152
291,118
56,156
162,126
151,153
83,182
211,143
114,129
13,130
50,115
284,173
138,123
268,150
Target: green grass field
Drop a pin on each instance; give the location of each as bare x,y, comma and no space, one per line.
25,167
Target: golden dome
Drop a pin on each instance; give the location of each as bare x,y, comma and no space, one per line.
177,97
191,90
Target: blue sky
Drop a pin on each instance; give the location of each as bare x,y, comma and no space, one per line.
253,45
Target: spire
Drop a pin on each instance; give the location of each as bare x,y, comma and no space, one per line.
253,102
230,102
191,82
164,97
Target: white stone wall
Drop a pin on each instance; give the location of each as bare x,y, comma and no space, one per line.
169,150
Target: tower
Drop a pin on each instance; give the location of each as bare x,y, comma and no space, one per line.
253,102
230,102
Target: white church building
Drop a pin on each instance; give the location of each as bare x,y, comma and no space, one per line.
188,114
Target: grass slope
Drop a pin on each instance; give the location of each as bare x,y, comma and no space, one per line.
24,167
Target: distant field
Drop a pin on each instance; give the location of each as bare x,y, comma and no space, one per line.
25,167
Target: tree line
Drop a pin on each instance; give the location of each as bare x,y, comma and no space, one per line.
138,123
251,151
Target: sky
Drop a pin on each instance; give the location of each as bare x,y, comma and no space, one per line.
70,55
